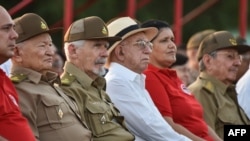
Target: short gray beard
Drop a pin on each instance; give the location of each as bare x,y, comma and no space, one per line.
100,72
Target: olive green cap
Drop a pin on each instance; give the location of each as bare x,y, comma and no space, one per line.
30,25
195,40
241,41
89,28
217,41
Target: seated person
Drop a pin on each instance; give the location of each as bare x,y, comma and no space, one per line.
219,61
52,116
127,60
86,44
168,92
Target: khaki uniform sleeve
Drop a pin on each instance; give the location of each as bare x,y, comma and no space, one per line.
28,106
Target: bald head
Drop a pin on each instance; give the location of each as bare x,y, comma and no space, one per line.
3,11
8,35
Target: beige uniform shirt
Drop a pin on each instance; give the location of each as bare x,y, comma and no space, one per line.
96,108
47,108
219,103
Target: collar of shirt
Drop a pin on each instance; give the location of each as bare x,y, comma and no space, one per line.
166,71
127,74
84,79
212,84
35,76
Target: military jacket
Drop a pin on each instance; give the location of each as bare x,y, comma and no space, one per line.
50,113
219,102
95,106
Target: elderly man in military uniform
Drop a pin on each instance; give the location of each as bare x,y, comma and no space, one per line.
50,113
86,44
219,61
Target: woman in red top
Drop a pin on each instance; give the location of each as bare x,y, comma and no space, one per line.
176,104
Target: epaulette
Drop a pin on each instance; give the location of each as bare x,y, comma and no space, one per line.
17,78
209,86
67,79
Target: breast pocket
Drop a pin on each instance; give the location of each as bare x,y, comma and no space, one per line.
227,116
56,112
100,118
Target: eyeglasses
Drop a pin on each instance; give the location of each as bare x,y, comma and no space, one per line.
231,56
143,44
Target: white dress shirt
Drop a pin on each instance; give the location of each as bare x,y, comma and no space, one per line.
6,67
127,90
243,90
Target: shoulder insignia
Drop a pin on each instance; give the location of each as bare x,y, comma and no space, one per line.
67,79
209,86
17,78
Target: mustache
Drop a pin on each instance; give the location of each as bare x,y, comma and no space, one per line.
101,61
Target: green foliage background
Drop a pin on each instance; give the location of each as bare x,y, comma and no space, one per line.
222,16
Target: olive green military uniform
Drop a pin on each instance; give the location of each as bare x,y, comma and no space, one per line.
101,116
50,113
219,102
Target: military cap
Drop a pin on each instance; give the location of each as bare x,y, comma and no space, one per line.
89,28
195,40
217,41
30,25
242,41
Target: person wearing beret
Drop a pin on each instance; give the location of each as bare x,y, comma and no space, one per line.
52,115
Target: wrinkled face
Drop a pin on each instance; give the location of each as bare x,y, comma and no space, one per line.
92,56
225,64
164,49
8,36
36,53
135,51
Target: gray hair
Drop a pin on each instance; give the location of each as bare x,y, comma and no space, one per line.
77,43
202,66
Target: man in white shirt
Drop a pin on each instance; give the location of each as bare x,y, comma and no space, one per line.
6,66
243,77
127,60
243,91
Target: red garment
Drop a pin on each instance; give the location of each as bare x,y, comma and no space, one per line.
173,99
13,126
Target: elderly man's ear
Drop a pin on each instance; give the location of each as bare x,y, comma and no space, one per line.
207,61
119,52
72,49
17,54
